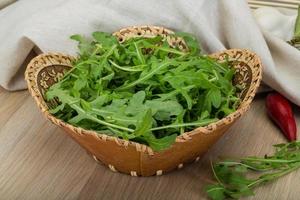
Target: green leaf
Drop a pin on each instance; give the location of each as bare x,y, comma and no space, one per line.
161,143
204,114
136,103
191,42
101,100
144,125
79,84
85,105
188,99
84,45
78,118
57,109
77,38
215,192
207,104
229,74
116,113
179,120
215,98
122,134
105,39
240,169
139,54
163,110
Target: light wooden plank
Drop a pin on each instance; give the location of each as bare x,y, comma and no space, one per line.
38,161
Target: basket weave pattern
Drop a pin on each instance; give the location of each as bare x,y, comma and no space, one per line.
130,157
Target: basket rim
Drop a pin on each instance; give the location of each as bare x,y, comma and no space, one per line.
38,63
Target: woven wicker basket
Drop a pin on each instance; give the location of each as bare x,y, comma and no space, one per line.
130,157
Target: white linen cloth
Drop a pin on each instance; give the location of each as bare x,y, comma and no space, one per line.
218,24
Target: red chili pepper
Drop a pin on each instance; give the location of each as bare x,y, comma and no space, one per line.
280,111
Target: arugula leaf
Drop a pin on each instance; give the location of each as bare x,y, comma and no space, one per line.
105,39
215,96
191,42
144,126
57,109
85,105
164,110
216,192
99,101
84,45
136,103
161,143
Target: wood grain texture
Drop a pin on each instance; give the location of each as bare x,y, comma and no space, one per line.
39,161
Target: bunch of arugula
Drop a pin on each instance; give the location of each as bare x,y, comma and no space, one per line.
143,90
232,175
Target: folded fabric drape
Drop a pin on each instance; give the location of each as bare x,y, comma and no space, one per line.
218,24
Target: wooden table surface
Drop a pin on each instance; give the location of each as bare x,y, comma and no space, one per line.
38,161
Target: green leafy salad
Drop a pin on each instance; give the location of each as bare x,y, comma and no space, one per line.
143,89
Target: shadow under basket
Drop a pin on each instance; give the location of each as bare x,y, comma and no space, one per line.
130,157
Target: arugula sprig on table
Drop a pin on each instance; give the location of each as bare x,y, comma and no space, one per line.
143,90
237,177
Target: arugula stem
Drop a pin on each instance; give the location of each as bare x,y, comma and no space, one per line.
73,75
201,123
66,75
177,91
95,119
217,65
147,76
109,124
215,174
215,189
232,163
139,54
213,79
273,175
170,50
86,62
127,68
95,51
266,160
99,112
